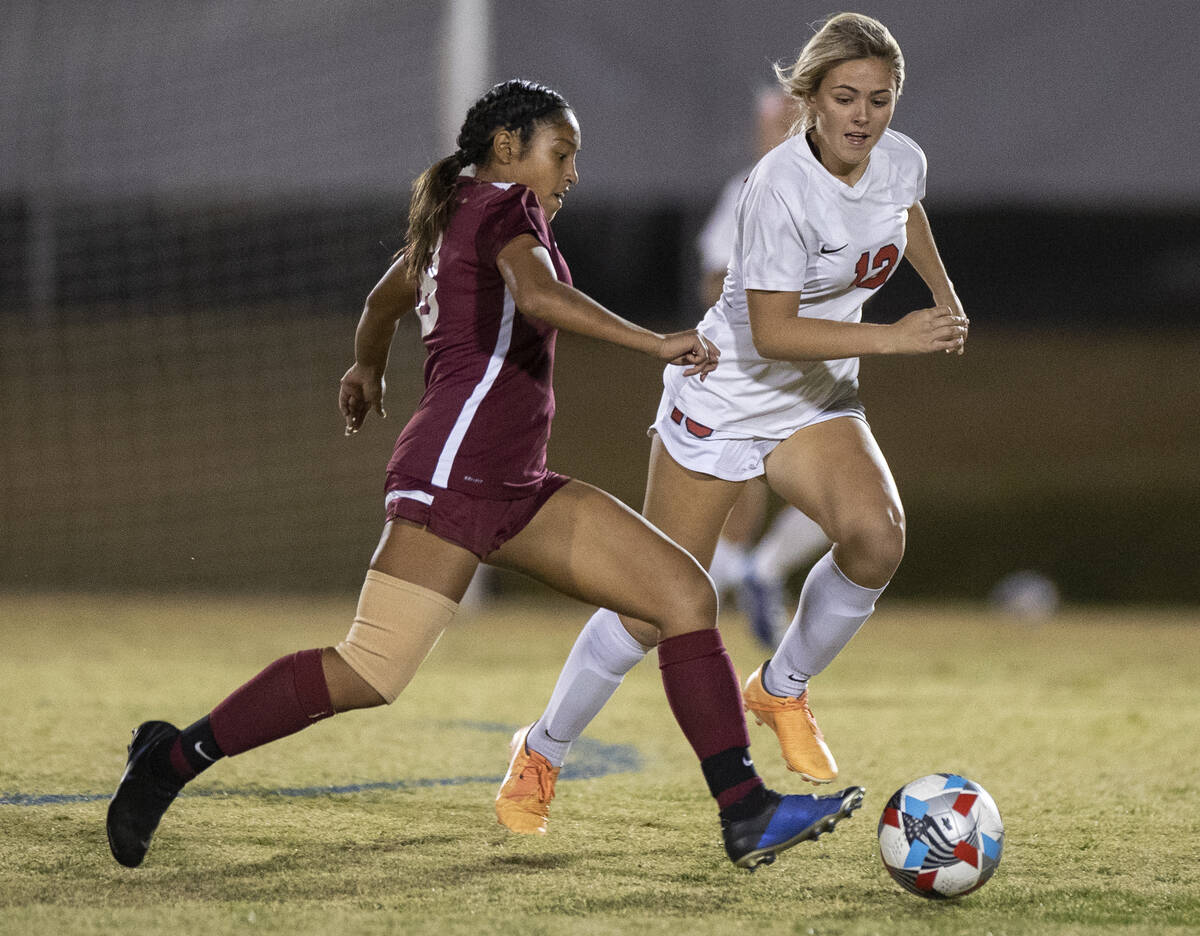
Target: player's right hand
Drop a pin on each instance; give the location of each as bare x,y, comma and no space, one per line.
360,392
692,350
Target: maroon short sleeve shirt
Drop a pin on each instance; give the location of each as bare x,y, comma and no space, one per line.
484,419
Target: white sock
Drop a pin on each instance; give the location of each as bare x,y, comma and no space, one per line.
728,565
603,653
832,609
792,540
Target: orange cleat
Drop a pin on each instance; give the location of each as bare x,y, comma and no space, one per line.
803,745
523,803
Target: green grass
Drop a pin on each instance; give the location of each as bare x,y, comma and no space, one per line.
1083,728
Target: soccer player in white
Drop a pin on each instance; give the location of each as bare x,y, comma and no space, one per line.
822,222
755,571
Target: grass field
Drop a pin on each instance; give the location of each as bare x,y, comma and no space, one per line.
1084,728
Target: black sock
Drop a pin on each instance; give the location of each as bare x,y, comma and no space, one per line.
752,803
727,769
197,748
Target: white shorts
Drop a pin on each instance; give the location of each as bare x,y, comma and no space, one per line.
692,445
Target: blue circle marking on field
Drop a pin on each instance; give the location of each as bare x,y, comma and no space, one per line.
589,760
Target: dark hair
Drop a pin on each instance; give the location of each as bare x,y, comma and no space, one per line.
516,105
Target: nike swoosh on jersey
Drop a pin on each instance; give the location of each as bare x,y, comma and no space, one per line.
829,250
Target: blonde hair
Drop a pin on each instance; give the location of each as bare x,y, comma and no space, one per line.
842,38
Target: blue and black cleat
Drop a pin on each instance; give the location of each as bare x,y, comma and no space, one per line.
142,796
785,821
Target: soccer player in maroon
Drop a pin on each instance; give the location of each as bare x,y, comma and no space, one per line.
468,482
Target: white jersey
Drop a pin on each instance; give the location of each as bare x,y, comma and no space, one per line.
799,229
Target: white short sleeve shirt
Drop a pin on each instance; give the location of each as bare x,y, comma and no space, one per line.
799,229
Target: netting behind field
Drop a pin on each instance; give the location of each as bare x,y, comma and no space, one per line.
194,202
158,451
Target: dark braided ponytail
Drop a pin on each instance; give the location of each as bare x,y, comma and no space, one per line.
517,105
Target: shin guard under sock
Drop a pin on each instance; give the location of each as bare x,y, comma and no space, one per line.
287,696
702,690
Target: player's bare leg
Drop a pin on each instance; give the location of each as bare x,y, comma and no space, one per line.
610,645
835,473
569,545
691,508
742,527
688,506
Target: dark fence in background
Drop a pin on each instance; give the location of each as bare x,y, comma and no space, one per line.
168,376
1021,265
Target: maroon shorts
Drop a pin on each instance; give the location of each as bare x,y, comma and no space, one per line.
479,524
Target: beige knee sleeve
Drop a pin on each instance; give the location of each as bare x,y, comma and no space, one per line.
396,626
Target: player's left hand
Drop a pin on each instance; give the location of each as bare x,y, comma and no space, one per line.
360,392
692,350
952,303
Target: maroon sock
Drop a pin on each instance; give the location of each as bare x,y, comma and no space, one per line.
288,695
702,690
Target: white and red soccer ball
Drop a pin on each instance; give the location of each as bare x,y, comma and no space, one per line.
941,836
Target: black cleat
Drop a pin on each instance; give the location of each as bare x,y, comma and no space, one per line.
785,821
142,796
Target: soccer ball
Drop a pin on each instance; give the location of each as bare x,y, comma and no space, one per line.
941,836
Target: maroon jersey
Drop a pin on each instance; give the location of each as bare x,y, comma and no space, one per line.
484,420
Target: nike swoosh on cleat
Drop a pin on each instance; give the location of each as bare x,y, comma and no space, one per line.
200,751
829,250
747,761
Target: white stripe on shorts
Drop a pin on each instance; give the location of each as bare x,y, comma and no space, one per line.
422,496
